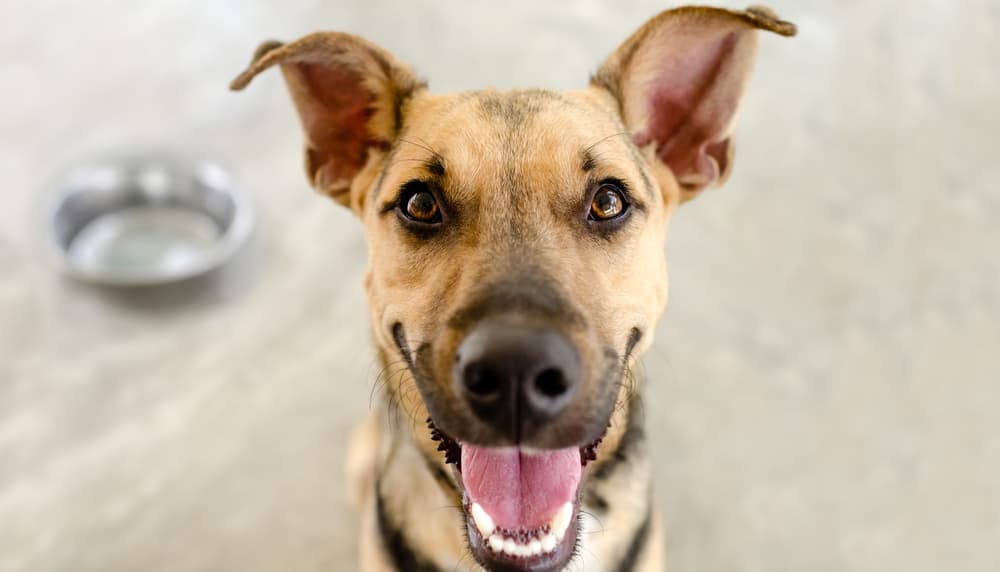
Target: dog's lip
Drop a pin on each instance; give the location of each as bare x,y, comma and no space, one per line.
452,447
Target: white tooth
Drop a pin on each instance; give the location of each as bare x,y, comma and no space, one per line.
483,520
531,451
496,543
522,551
548,542
509,547
535,547
560,522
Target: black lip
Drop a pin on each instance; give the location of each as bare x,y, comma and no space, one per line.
452,449
399,336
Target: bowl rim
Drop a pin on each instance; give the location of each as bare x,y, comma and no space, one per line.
220,252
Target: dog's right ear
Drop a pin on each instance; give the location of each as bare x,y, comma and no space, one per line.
678,82
349,94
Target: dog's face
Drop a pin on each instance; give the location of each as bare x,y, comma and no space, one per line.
516,235
516,246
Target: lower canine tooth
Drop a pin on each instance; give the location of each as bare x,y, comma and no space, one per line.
483,520
560,522
548,542
496,543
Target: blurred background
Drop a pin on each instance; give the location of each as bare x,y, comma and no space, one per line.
824,387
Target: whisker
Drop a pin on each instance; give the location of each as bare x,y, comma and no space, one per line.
603,139
381,380
429,147
408,160
423,145
397,409
596,519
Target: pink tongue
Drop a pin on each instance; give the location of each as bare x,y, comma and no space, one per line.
520,490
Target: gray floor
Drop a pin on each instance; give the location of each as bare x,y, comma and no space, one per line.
823,389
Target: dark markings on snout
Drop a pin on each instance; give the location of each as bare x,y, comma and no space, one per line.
529,293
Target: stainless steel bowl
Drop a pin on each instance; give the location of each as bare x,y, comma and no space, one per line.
147,220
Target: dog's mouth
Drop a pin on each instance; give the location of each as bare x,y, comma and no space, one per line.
521,505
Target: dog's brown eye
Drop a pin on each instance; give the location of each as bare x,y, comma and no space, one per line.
422,207
608,203
417,203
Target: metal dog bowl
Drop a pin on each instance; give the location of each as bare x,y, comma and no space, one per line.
147,220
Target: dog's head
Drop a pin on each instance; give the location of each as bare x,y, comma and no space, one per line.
516,256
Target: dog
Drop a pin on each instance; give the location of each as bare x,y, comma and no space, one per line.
516,273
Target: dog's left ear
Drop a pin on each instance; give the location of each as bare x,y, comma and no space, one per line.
350,96
679,80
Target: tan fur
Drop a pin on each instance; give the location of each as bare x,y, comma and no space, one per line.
513,166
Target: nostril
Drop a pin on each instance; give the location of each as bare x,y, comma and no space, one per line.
482,382
551,383
515,377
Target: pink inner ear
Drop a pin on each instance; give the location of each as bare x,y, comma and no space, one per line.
690,105
335,119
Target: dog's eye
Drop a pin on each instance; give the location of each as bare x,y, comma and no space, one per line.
608,203
417,203
422,207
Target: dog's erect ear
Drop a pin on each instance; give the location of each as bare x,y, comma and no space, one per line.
349,94
678,81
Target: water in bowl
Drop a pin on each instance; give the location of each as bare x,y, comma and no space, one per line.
144,242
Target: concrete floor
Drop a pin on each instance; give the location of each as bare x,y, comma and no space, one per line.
823,389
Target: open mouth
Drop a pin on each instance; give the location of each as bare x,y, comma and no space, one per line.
521,505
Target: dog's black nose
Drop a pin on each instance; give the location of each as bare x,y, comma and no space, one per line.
516,377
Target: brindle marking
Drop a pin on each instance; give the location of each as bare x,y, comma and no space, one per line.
403,556
639,539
